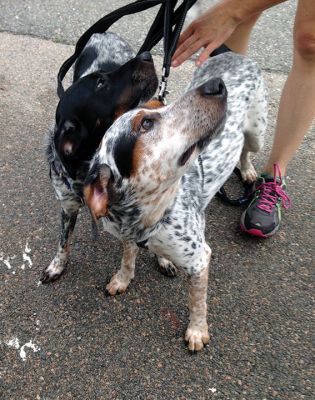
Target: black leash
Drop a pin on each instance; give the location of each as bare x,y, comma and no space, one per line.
171,37
166,18
241,200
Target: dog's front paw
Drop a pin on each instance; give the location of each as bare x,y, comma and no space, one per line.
166,267
118,284
54,271
249,174
197,337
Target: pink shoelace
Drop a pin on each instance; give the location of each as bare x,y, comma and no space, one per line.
271,192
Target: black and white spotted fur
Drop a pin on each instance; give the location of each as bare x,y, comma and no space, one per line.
107,81
157,169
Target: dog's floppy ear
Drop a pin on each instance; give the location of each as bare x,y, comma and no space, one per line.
96,191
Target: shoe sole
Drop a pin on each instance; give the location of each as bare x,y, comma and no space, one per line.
256,232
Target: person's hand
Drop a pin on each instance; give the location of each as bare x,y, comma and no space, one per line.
210,30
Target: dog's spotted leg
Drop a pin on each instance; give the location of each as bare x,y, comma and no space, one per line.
254,127
166,267
247,169
197,334
120,281
58,264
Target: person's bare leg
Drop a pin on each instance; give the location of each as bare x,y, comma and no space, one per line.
239,40
297,105
296,112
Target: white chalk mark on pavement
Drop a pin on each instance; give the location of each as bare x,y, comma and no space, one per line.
26,256
6,261
30,345
27,249
15,343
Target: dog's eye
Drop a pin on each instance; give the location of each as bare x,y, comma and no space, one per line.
100,83
146,124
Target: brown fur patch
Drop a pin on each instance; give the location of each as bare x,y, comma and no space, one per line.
123,101
136,122
137,156
120,111
153,103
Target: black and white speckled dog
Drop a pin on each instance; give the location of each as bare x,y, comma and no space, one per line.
157,169
108,80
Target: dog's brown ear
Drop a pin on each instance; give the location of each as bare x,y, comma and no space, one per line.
96,192
153,104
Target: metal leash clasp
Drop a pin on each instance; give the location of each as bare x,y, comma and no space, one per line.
162,88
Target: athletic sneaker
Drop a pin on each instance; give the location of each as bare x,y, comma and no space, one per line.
263,215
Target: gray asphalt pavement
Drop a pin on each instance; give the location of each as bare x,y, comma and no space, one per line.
66,340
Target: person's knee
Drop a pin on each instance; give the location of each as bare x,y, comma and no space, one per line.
304,43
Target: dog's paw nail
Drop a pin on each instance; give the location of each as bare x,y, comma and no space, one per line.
48,277
195,346
45,278
197,339
109,291
167,268
116,285
249,175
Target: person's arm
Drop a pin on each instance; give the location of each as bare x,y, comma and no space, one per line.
215,26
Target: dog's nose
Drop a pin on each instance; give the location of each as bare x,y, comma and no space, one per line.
145,56
213,87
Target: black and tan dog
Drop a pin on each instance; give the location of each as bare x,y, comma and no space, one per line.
108,81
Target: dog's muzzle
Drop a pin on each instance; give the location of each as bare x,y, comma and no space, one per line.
214,87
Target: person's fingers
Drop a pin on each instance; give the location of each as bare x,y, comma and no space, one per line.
185,52
184,46
206,52
185,35
209,31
